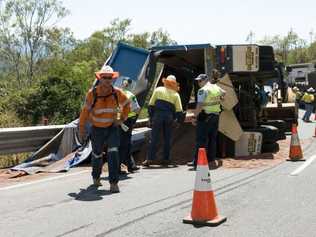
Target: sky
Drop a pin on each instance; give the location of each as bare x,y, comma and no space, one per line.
196,21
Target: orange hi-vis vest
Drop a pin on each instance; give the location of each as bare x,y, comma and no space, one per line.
104,111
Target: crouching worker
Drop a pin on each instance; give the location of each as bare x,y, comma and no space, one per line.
126,134
164,107
106,107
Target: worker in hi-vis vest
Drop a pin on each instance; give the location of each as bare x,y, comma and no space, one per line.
126,134
106,108
206,116
164,108
308,99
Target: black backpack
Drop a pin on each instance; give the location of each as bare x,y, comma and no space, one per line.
96,96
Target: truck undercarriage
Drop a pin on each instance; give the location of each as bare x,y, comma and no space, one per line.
248,79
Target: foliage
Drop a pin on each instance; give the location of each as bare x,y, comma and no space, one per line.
291,48
24,26
44,70
58,97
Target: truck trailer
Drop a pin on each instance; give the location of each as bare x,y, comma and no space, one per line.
246,71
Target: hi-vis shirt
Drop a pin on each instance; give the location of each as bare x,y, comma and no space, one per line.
210,96
134,103
105,110
167,95
308,98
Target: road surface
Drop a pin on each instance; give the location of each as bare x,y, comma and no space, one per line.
267,201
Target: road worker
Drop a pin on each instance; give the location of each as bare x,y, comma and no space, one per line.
126,132
164,107
308,99
206,116
298,95
106,108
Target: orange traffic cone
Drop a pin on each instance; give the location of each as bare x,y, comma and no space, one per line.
204,211
296,153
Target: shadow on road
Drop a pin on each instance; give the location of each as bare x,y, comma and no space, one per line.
152,167
91,193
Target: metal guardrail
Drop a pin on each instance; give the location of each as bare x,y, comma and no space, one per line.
26,139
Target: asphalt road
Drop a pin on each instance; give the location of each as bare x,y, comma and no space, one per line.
306,130
257,202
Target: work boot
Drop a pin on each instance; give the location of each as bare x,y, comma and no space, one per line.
191,163
212,164
219,163
97,182
165,162
114,188
123,172
147,163
133,169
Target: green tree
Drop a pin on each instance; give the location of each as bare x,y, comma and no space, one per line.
160,38
23,28
117,31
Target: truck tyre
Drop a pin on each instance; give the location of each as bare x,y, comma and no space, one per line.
280,124
269,133
270,148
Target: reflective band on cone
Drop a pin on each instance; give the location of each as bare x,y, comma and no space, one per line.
296,153
204,211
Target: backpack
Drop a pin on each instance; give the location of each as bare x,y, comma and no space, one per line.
96,97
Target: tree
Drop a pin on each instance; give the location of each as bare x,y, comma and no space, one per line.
117,31
23,28
160,38
288,49
58,42
140,40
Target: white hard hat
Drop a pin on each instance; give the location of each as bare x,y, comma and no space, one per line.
106,70
311,89
171,78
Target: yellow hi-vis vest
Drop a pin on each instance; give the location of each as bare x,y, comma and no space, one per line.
168,95
134,104
211,103
308,98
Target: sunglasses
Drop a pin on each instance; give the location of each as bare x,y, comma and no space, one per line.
106,78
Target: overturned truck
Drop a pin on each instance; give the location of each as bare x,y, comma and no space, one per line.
247,70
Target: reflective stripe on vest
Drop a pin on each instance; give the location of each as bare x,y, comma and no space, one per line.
211,103
102,120
107,110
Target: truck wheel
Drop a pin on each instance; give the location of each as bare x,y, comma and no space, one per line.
269,133
280,124
270,148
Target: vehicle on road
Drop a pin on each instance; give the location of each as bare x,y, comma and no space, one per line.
249,68
302,75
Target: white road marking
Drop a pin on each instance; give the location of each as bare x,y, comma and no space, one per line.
43,180
303,166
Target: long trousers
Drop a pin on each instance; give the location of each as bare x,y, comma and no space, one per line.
105,136
309,109
126,143
161,122
206,135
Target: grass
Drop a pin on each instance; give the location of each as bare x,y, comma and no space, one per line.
7,161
